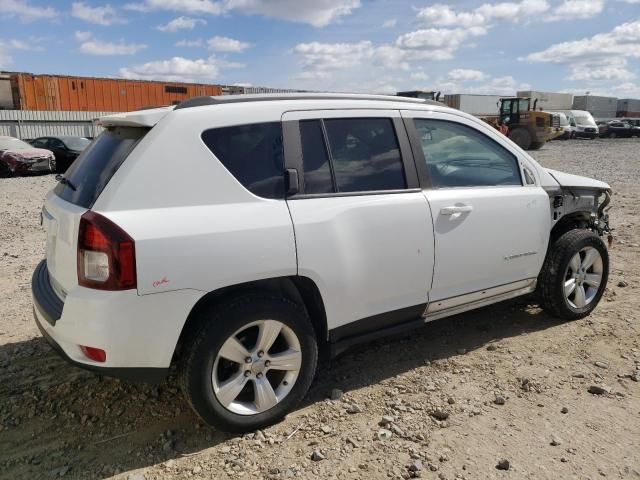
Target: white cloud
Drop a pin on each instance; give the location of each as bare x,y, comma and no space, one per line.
179,69
318,58
484,16
198,42
509,11
436,43
7,46
575,9
92,46
103,15
226,44
623,40
25,11
419,76
627,89
82,36
188,6
606,70
181,23
391,23
444,16
466,75
318,13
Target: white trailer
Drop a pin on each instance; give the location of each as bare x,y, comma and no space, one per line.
549,100
478,105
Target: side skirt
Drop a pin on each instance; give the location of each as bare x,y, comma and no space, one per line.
401,321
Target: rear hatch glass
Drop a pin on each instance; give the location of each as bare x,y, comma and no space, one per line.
91,171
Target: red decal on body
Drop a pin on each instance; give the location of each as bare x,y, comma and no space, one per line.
157,283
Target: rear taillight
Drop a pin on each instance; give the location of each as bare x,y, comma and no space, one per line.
106,254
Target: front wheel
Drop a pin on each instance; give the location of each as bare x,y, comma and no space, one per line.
249,362
521,137
574,275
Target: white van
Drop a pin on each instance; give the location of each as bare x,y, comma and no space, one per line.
585,125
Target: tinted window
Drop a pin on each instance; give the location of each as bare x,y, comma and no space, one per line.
93,169
253,154
317,170
40,143
365,154
460,156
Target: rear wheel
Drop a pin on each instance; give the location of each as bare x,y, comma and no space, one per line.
574,275
613,135
536,145
249,363
521,137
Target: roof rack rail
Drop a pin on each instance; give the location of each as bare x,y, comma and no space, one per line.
225,99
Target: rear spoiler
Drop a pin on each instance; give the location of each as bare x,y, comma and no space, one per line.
140,118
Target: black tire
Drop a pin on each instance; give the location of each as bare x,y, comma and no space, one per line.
552,277
536,145
5,171
213,327
613,135
521,137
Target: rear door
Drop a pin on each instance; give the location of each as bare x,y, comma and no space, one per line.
491,218
362,225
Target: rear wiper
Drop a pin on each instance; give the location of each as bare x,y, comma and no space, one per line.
66,181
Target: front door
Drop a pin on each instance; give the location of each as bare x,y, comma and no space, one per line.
490,216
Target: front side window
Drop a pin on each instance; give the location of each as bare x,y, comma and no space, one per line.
253,154
365,154
460,156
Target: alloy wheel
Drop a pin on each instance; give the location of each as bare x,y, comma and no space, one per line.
256,367
583,277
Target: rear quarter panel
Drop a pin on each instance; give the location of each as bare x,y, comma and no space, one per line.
195,226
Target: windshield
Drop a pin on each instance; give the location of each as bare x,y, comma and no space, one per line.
8,143
76,143
584,120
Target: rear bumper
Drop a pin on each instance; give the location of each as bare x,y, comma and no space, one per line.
138,333
146,375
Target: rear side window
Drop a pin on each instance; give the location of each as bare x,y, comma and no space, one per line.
95,166
360,155
253,154
365,154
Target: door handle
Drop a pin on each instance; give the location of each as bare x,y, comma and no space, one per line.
455,209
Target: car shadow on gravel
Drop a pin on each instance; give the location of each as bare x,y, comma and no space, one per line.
58,420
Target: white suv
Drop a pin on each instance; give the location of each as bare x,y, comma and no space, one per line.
237,236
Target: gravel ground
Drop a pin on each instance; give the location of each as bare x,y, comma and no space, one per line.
502,392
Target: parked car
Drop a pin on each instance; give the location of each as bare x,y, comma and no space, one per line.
635,125
614,128
583,122
65,148
297,223
18,157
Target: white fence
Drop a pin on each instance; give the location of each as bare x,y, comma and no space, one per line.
27,125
